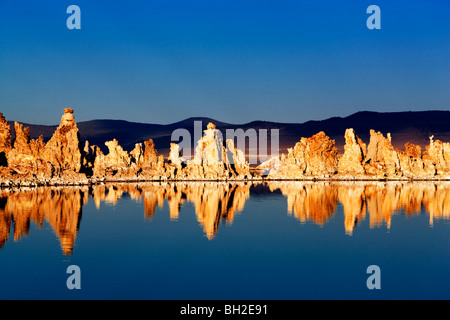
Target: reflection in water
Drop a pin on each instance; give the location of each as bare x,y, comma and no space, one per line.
213,202
217,202
316,201
60,207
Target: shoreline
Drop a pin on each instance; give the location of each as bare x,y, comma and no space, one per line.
95,181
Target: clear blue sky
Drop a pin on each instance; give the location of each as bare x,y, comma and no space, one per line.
235,61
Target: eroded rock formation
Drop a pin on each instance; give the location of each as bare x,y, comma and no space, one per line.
381,159
62,160
352,161
31,161
316,156
63,150
439,155
214,159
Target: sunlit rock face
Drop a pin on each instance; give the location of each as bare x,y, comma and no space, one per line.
411,162
21,157
118,164
438,153
213,159
25,158
117,157
150,154
174,155
315,156
63,149
209,150
31,161
209,158
381,159
151,165
235,160
352,161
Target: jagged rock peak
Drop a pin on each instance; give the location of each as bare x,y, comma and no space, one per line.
22,137
351,161
68,119
63,149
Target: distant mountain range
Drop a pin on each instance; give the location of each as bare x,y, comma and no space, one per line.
415,127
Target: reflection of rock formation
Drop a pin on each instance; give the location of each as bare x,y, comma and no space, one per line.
61,208
213,202
217,202
352,198
314,202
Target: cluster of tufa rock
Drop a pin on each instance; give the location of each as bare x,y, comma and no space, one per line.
62,160
213,159
317,157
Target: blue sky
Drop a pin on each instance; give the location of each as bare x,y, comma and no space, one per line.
235,61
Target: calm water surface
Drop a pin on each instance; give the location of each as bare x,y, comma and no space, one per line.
280,240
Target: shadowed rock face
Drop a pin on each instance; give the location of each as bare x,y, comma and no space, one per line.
5,140
62,160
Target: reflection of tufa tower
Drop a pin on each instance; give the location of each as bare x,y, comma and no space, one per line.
60,207
214,203
65,216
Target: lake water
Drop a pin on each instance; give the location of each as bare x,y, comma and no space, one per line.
277,240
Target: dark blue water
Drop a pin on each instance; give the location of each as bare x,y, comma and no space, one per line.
258,250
